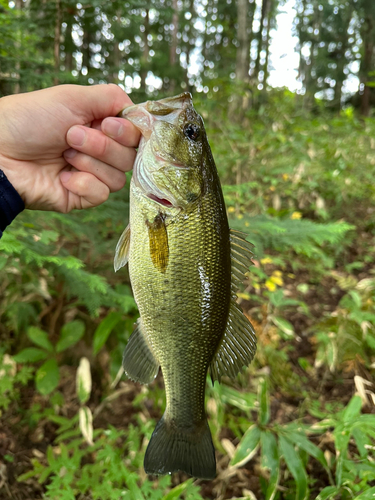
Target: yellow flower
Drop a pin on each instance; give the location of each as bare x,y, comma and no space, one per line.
231,210
266,260
270,285
285,177
277,280
296,215
272,188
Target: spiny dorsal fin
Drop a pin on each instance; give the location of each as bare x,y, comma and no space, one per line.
139,361
122,249
238,345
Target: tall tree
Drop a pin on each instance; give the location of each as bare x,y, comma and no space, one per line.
367,20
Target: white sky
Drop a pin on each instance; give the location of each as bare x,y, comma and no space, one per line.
285,60
283,57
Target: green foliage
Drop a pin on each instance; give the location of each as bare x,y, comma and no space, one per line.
302,191
290,446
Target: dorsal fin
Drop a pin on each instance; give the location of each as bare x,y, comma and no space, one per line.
238,345
241,254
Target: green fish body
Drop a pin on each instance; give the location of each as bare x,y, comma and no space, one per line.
185,265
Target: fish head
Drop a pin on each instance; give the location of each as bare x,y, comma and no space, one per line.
168,167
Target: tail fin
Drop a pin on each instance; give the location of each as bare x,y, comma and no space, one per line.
188,450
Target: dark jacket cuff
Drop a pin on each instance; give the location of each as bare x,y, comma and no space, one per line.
11,203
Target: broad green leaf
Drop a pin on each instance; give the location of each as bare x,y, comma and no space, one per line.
264,402
47,377
367,495
270,460
247,446
295,465
342,436
70,334
361,440
303,442
328,493
40,338
104,329
284,325
353,410
177,491
30,355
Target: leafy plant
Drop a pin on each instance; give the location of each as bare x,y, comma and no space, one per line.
47,376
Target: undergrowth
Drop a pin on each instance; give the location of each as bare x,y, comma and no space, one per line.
298,423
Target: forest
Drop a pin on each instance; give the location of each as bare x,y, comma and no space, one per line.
298,175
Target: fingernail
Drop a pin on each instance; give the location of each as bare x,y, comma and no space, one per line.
76,136
70,153
65,176
112,127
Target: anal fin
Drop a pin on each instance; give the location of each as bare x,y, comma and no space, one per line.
122,249
139,362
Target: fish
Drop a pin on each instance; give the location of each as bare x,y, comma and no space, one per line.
185,266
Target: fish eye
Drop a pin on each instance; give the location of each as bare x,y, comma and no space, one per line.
192,131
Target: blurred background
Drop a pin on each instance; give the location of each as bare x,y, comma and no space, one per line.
287,92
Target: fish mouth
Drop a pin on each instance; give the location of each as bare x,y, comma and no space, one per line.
144,115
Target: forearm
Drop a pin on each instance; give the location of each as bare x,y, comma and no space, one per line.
11,203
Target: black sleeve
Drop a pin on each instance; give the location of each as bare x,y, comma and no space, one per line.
11,203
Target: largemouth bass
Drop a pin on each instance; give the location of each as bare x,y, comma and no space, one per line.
185,266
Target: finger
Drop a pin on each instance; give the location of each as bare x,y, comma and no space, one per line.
97,145
122,131
89,189
114,178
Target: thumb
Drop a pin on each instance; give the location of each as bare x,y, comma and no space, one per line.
95,102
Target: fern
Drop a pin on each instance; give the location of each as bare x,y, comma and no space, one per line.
303,237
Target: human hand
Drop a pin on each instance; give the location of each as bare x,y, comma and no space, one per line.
61,149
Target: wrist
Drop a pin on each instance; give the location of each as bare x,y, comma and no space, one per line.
13,171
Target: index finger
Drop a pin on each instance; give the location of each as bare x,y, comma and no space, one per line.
122,131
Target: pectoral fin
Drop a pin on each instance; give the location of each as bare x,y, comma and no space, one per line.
139,361
122,249
238,345
158,237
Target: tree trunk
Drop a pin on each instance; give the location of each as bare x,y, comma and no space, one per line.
56,46
260,38
366,66
17,64
146,51
267,43
243,54
173,49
